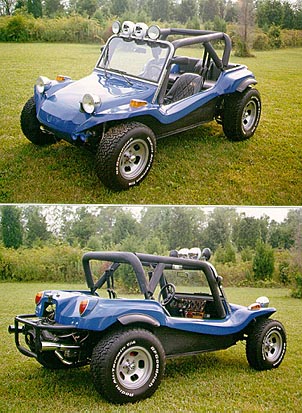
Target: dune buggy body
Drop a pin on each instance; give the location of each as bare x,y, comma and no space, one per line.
141,89
127,340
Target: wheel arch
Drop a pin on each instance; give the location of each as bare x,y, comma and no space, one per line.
256,319
146,120
245,84
137,318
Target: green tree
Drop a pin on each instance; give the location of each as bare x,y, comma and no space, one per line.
247,230
87,7
53,7
34,7
125,226
118,7
12,231
263,262
269,12
208,9
81,227
219,229
36,226
186,10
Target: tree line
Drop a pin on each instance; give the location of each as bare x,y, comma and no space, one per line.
262,24
247,250
285,14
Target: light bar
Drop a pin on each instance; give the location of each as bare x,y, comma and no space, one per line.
128,28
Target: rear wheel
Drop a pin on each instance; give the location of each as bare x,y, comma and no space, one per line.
125,155
241,114
31,127
128,366
266,345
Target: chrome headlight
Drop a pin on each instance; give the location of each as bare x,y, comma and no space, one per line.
90,103
43,84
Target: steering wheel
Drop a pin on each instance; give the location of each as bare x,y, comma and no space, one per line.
169,289
152,72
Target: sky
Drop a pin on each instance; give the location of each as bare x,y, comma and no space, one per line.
274,213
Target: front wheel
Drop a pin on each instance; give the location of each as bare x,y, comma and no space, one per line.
125,155
128,366
241,114
31,127
266,345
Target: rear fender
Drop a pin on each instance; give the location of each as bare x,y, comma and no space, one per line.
127,319
245,84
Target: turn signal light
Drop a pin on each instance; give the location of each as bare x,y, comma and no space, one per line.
62,78
83,306
38,297
135,103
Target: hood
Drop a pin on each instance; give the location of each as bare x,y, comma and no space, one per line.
61,108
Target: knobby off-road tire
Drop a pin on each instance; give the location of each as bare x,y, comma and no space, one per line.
31,127
128,365
241,114
125,155
266,345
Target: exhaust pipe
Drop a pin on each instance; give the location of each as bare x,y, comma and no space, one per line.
12,329
50,346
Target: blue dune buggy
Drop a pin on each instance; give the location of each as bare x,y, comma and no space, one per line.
126,341
142,89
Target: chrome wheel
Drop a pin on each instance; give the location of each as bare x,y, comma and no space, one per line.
134,159
134,368
249,115
272,346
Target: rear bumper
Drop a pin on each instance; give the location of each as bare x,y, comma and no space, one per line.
32,327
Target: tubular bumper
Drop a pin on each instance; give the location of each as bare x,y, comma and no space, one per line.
25,322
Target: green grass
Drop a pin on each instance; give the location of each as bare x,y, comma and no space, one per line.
196,167
213,382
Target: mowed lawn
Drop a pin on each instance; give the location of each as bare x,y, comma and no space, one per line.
212,382
197,167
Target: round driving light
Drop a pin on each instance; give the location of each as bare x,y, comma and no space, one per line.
128,28
153,32
90,103
42,84
116,27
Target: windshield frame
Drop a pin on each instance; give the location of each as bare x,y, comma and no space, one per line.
140,42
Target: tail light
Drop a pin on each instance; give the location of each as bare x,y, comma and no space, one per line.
38,298
83,306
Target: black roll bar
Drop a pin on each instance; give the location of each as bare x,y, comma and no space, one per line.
120,257
202,36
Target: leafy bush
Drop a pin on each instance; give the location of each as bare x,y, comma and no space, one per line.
274,35
247,254
226,254
74,29
297,291
57,263
291,38
284,272
261,42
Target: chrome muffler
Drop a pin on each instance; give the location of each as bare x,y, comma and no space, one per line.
51,346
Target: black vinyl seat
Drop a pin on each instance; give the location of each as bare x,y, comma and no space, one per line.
186,85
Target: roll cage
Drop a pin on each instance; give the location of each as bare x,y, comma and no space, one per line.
156,264
209,65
